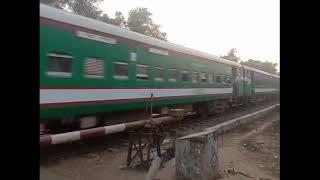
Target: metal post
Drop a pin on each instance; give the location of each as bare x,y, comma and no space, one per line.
129,152
140,150
151,104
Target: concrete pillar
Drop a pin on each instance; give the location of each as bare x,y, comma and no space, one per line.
155,165
196,156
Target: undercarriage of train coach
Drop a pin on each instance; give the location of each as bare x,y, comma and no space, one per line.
203,109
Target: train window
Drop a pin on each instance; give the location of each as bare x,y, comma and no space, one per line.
203,77
142,72
121,70
59,65
173,75
195,77
211,78
159,74
218,79
186,76
225,79
228,79
94,68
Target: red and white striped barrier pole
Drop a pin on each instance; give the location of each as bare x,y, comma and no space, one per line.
99,131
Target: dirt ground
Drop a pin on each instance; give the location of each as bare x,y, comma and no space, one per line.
101,165
250,152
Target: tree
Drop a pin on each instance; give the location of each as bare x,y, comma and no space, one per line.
119,20
264,66
86,8
140,21
60,4
105,18
231,55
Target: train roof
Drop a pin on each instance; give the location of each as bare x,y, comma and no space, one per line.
78,20
260,71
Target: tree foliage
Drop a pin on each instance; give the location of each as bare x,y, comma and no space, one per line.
119,19
139,19
86,8
60,4
232,55
264,66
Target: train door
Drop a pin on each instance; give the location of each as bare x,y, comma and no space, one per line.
244,83
252,84
248,83
237,82
234,81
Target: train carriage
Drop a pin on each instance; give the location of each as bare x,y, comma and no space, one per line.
89,67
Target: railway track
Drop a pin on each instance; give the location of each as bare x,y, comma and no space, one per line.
120,141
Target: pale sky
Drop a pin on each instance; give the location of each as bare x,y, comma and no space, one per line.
215,26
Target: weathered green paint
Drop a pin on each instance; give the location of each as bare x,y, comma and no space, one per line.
53,39
56,40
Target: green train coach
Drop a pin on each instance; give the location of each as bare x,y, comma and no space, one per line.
89,67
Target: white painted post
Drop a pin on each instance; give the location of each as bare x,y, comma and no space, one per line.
155,165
